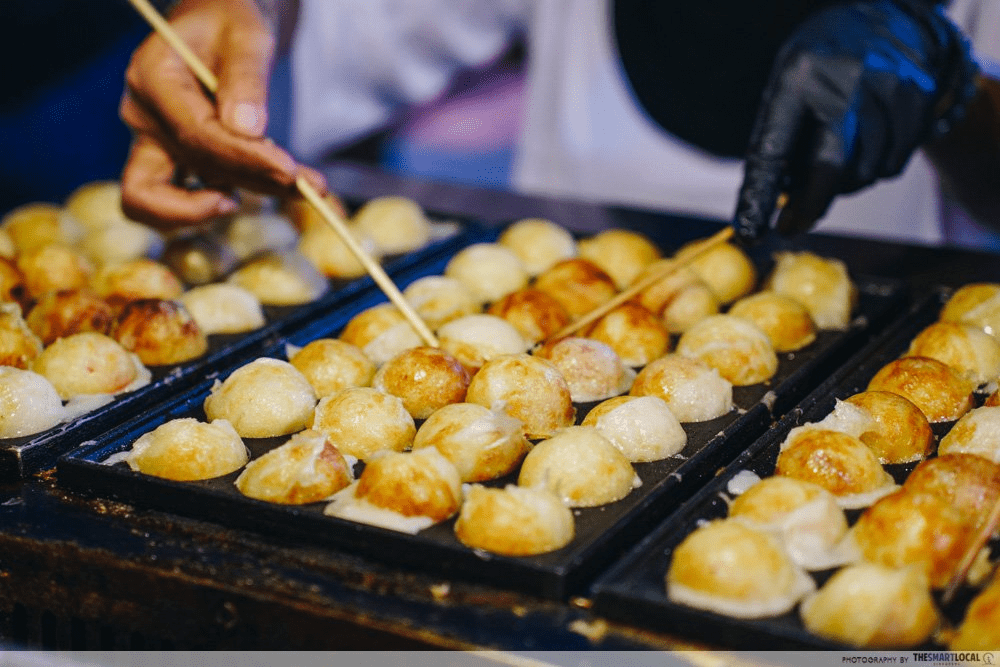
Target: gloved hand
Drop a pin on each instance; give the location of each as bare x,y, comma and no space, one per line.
853,92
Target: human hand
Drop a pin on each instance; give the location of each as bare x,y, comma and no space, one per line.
853,92
179,129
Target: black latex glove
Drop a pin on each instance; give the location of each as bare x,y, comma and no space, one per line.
853,92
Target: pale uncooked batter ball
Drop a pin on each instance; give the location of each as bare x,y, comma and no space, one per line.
488,270
396,224
737,348
539,243
514,520
440,299
821,284
361,421
264,398
224,308
186,449
693,390
305,469
329,253
642,427
475,339
29,403
121,241
281,279
90,363
251,234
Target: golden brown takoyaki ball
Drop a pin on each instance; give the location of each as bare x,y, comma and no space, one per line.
361,421
980,628
692,389
223,308
304,215
966,348
910,528
29,403
823,285
262,399
977,304
370,323
514,521
440,299
332,365
581,466
839,462
528,388
940,392
726,567
281,279
740,351
967,482
186,449
488,271
873,606
635,334
726,269
621,253
36,224
578,284
538,243
425,378
535,314
66,312
160,332
54,267
591,368
642,427
901,432
976,432
483,444
305,469
89,363
136,279
329,253
475,339
785,321
396,224
12,287
19,345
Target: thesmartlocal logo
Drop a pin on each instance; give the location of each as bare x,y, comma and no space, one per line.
955,658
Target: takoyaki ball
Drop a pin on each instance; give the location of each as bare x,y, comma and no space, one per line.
785,321
403,491
37,224
839,462
305,469
186,449
488,271
425,378
581,466
726,567
591,368
54,267
689,306
250,234
440,299
980,628
873,606
966,348
223,308
12,287
514,520
19,345
332,365
361,421
941,392
329,253
483,444
577,284
161,332
726,269
281,279
29,403
475,339
621,253
396,224
967,482
121,241
821,284
642,427
7,248
199,259
96,204
90,363
136,279
900,432
535,314
303,215
977,304
635,334
381,332
740,351
538,243
805,515
910,528
262,399
529,389
977,432
66,312
692,389
656,297
993,399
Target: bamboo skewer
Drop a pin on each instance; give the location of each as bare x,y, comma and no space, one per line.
374,269
969,557
669,267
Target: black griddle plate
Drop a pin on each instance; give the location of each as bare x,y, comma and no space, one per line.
24,456
634,590
602,534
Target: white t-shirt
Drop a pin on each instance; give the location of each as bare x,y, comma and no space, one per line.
357,63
